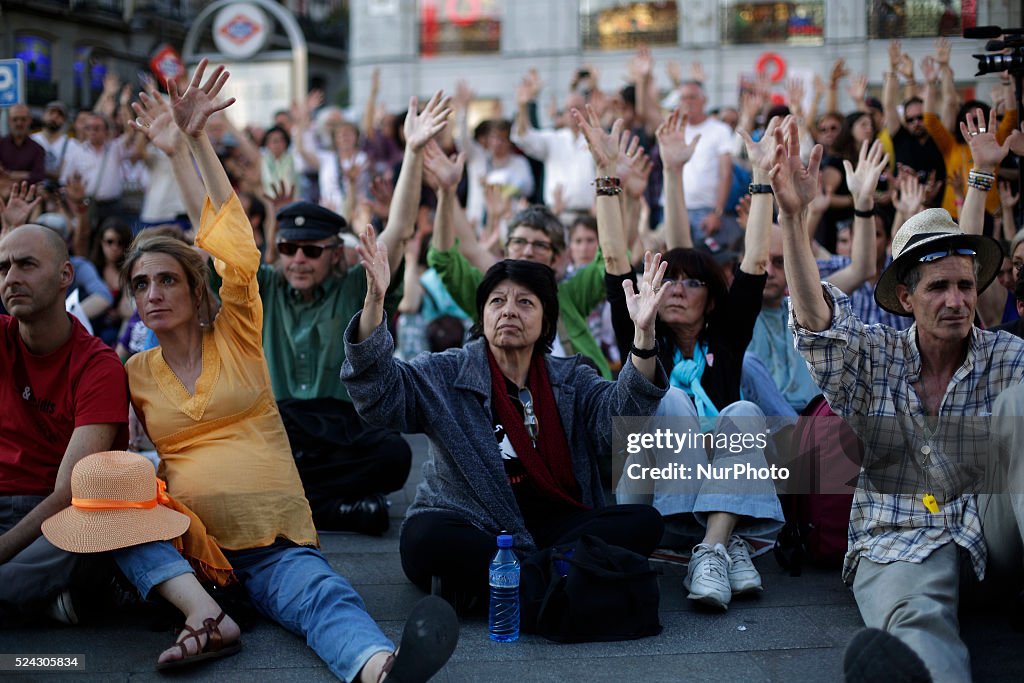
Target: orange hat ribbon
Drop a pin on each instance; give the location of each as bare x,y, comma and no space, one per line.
108,504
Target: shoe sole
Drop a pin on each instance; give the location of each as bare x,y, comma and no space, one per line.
429,638
709,601
226,651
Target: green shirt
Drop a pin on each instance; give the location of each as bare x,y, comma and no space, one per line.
577,297
302,340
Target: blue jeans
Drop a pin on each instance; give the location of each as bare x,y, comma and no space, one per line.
292,585
686,505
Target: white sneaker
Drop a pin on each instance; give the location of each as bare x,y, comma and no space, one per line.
707,578
743,577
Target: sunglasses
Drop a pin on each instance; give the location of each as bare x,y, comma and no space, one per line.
686,283
915,119
529,417
521,242
312,251
936,255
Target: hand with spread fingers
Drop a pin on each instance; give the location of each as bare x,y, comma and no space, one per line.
421,127
604,146
911,194
643,303
672,145
374,258
193,108
442,172
634,167
155,120
21,202
863,181
762,152
986,151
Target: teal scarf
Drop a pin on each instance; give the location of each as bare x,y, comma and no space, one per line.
686,375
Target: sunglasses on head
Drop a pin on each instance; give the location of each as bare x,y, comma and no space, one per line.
952,251
310,250
529,416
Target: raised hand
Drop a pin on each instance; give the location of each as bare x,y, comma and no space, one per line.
374,259
908,198
643,304
942,49
21,202
74,190
281,195
641,64
529,88
870,164
442,172
672,145
155,120
929,69
822,200
198,103
604,146
463,95
762,152
382,189
421,127
1006,194
986,151
894,54
697,72
839,71
634,166
795,95
674,71
858,88
794,184
906,67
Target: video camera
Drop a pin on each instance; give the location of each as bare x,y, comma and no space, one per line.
1001,40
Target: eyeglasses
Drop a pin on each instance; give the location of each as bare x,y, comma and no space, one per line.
914,119
936,255
529,417
521,243
686,283
108,242
310,250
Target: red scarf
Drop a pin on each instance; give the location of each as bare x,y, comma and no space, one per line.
548,463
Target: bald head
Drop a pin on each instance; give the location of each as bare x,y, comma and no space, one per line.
49,238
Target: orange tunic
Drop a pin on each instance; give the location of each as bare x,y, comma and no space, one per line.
224,451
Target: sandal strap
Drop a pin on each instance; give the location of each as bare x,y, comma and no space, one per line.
214,638
389,664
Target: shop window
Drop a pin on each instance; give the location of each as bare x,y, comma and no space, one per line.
919,18
37,53
459,27
624,24
794,23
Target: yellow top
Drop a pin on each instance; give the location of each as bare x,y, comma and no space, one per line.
223,451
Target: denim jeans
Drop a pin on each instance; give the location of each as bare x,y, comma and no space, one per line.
686,504
292,585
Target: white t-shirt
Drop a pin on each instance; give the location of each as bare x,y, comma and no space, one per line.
56,151
567,162
103,180
163,201
700,174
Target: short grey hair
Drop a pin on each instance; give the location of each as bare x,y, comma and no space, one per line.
911,277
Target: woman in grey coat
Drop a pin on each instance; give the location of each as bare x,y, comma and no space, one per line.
515,433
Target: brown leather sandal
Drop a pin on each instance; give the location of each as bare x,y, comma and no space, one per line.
215,647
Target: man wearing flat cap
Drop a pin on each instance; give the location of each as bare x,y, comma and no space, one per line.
53,138
308,300
923,522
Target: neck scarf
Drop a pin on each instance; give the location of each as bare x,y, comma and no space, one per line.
686,375
547,462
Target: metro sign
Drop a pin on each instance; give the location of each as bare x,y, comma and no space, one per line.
240,29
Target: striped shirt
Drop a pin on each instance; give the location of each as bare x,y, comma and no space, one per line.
866,373
863,298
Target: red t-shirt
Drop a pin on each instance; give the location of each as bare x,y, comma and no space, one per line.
44,398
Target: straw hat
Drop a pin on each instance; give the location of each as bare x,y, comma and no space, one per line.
925,232
113,505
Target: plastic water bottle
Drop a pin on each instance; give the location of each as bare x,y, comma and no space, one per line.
503,624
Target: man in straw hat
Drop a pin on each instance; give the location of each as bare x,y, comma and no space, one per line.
906,543
64,395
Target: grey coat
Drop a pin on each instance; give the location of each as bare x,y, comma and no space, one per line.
447,396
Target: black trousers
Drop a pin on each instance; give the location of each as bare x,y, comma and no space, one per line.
341,458
447,545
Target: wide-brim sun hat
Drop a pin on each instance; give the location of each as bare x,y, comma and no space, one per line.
929,231
114,504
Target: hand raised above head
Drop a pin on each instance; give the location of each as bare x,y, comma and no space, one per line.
155,120
794,184
422,126
672,145
373,256
443,172
986,151
870,164
604,146
643,303
193,108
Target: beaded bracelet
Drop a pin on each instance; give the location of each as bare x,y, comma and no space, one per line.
980,180
608,186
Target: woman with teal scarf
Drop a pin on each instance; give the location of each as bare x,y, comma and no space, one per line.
703,328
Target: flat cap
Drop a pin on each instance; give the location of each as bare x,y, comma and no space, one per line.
302,221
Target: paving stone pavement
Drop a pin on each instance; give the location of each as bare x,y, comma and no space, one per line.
794,631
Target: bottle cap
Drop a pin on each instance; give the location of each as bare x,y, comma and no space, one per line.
504,540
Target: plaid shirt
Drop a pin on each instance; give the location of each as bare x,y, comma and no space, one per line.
863,298
866,373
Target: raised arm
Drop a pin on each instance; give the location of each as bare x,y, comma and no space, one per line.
890,88
643,304
373,256
191,110
987,154
606,148
759,219
837,74
862,183
795,186
155,120
419,129
675,152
